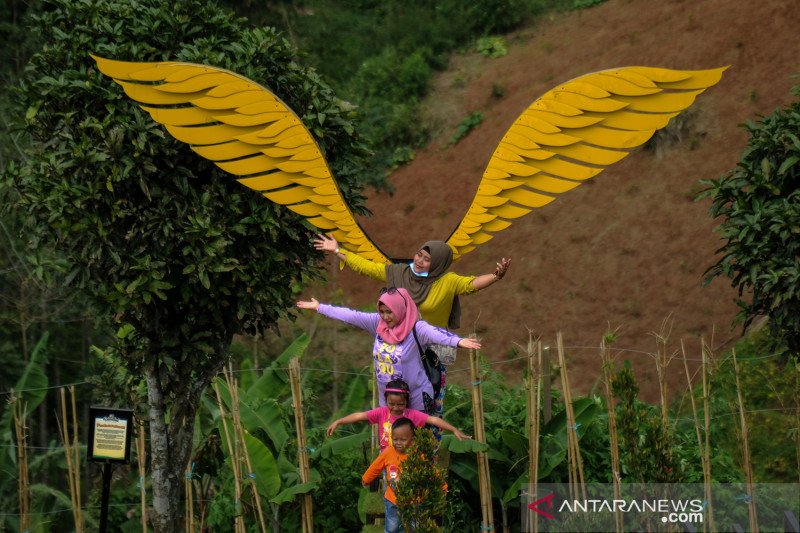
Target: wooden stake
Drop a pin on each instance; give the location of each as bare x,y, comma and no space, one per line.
63,428
76,461
141,459
611,406
302,451
234,454
484,481
662,361
547,383
700,447
748,467
23,483
574,455
534,406
233,386
374,437
707,427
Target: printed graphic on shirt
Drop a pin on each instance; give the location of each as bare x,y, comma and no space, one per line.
387,361
392,475
386,435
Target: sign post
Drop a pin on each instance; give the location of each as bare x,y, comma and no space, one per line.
110,433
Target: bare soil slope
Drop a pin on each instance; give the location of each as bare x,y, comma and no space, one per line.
629,248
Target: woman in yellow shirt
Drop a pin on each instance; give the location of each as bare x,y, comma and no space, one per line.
431,286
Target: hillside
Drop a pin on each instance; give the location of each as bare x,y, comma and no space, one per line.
629,248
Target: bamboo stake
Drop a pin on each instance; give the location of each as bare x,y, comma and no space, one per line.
534,405
302,451
141,459
662,361
797,415
76,461
611,406
233,386
23,483
748,467
374,445
484,481
700,448
707,427
63,429
233,451
572,429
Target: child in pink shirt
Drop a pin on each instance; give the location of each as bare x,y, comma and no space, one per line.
397,399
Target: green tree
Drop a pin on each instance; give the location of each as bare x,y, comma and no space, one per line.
179,256
759,204
421,490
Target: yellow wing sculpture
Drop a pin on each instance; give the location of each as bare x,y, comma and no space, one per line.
564,138
570,135
248,132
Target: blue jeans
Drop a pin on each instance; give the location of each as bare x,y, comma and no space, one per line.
392,517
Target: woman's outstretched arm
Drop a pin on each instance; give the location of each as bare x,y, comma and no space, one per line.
357,264
481,282
366,321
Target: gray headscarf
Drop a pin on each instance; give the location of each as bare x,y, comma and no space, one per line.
400,275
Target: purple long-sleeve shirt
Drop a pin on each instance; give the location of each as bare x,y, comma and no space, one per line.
396,361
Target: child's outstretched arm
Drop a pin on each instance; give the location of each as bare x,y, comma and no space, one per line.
349,419
441,424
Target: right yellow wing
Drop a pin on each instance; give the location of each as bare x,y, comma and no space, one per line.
570,135
246,131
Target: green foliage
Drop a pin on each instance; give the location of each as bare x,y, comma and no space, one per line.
491,46
472,121
421,489
759,206
643,440
175,252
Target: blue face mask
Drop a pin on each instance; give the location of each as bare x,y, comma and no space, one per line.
418,274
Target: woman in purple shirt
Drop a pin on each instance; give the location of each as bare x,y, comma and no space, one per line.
395,352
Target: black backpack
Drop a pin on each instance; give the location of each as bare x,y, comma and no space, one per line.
431,364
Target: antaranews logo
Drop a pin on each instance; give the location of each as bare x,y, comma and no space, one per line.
548,500
600,507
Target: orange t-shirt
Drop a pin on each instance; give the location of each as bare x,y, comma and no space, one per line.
389,460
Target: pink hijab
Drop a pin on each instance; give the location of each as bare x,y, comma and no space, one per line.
404,309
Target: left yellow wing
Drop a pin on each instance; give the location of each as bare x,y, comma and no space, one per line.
247,131
571,134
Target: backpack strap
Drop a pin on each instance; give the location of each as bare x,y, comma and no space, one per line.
416,339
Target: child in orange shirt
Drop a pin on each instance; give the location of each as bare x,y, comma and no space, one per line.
390,460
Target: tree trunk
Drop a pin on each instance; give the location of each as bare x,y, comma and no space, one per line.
169,453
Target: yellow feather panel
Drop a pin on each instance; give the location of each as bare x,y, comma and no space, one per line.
225,151
662,102
591,154
637,121
237,119
268,182
148,94
214,134
246,131
550,184
250,165
571,134
195,83
234,100
612,138
180,116
618,85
